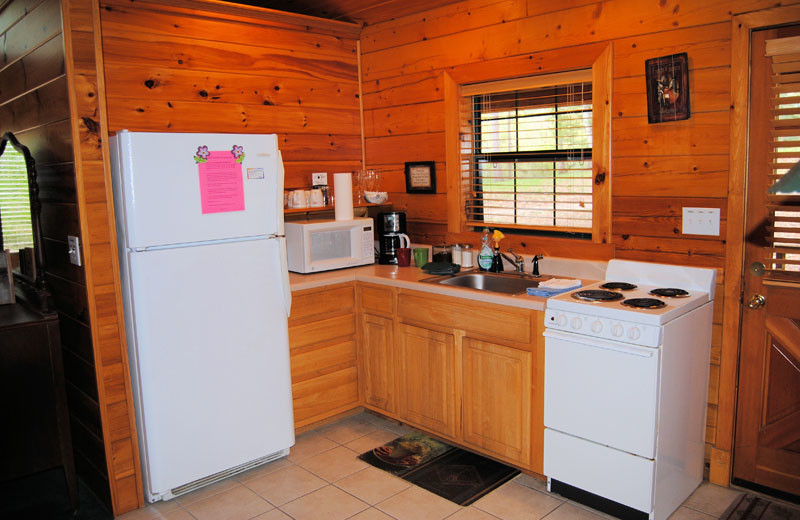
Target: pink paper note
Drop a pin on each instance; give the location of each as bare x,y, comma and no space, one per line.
221,184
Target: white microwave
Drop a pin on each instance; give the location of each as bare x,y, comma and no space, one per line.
321,245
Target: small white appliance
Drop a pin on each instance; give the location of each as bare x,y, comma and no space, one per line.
626,378
206,296
322,245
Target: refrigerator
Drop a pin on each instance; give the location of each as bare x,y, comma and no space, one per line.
206,296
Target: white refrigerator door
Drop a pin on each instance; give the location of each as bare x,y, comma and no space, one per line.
157,188
211,358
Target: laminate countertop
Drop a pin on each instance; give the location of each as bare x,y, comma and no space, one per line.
410,278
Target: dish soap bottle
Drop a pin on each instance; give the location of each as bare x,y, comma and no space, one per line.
485,254
497,261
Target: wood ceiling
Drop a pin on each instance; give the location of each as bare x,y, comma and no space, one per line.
366,12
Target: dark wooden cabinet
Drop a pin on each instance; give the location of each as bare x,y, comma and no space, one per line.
35,435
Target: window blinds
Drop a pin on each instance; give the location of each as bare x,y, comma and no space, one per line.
15,207
526,152
783,223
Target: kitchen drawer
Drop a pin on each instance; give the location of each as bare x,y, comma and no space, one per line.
604,471
376,299
494,321
324,396
317,302
316,361
321,330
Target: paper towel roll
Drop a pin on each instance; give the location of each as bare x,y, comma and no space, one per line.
343,196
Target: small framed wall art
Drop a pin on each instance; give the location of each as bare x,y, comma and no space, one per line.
667,88
421,177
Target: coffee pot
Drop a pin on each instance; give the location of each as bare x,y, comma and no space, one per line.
391,236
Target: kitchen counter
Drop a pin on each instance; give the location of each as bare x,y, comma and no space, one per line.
409,278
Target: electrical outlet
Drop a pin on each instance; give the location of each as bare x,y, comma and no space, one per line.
74,250
319,179
701,221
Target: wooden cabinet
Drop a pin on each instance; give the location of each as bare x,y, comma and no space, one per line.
496,400
376,351
378,360
322,341
35,435
427,379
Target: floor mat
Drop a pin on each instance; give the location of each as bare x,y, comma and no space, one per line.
751,507
452,473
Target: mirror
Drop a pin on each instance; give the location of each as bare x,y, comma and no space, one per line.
20,228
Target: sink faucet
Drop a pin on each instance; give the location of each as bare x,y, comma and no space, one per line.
535,262
518,262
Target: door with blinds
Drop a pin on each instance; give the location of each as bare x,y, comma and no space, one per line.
767,442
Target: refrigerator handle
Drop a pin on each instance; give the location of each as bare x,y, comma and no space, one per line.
279,194
287,290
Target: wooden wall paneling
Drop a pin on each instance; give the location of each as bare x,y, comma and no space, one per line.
120,16
249,15
404,120
408,89
199,54
38,26
88,125
165,84
442,21
704,132
400,149
569,27
43,105
708,47
670,176
13,12
44,64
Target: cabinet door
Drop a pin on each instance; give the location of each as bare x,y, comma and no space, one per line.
377,362
497,400
427,379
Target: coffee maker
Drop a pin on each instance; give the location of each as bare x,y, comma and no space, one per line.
391,236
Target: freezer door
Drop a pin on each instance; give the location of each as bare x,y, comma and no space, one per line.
157,187
212,359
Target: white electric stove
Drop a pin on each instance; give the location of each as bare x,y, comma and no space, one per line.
626,377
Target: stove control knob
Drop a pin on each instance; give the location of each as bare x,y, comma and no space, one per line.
576,323
597,326
561,321
617,330
634,333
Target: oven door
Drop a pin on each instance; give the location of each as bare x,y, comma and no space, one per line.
602,391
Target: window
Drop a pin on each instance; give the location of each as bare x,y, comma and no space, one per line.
15,208
526,152
783,220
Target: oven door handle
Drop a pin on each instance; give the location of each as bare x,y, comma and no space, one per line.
600,343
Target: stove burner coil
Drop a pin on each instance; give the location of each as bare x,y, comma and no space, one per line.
670,292
595,295
618,286
644,303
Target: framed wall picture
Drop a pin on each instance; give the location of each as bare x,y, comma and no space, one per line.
421,177
667,88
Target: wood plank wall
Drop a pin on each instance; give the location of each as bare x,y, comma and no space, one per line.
34,105
656,169
189,70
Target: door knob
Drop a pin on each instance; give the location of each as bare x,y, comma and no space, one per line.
756,301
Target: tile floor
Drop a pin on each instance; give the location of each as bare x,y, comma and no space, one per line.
322,479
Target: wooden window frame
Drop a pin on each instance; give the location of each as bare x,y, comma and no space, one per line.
596,57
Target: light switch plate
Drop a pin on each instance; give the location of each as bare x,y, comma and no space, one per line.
701,221
319,179
74,250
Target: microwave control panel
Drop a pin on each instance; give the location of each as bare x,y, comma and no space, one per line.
368,245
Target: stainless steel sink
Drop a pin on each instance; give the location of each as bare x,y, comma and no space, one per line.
506,283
